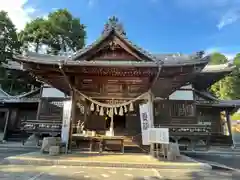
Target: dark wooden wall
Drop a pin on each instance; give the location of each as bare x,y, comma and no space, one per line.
210,114
174,112
98,123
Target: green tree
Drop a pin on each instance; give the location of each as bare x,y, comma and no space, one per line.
218,58
8,38
9,79
236,78
68,34
8,45
60,31
35,33
222,89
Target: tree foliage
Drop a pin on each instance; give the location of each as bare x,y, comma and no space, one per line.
36,33
8,38
68,34
222,89
60,31
236,78
218,58
9,44
229,87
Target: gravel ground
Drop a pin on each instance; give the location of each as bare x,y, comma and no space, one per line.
6,152
21,172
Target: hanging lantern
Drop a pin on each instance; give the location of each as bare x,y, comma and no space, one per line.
92,107
97,108
125,109
131,107
121,111
101,112
115,111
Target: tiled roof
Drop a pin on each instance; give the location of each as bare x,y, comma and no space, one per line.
181,59
13,65
220,103
174,60
30,97
19,100
32,94
207,95
107,34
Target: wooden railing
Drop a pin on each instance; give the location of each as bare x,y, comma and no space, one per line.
34,126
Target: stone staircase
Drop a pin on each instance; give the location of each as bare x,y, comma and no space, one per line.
137,141
131,146
132,141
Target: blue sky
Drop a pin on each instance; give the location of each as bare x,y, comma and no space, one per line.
160,26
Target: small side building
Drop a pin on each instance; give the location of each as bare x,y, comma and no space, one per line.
15,110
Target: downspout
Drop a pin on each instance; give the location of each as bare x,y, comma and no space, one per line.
69,143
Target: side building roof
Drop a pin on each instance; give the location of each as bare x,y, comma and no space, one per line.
211,74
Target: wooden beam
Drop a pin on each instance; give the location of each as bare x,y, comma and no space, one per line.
111,98
111,80
126,48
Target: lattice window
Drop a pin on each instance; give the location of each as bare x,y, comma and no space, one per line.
182,110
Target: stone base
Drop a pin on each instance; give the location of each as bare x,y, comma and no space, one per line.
48,142
54,150
174,152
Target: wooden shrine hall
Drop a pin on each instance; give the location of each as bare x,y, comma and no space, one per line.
108,79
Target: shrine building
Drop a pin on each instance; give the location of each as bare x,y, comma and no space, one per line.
108,80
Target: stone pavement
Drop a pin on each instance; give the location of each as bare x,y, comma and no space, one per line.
25,172
17,145
104,160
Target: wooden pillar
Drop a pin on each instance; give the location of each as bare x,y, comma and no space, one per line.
111,129
39,104
73,110
7,117
85,111
229,124
150,99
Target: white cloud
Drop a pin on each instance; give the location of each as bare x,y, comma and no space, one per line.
227,11
17,10
230,17
91,3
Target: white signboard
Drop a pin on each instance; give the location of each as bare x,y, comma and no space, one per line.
145,122
158,135
67,106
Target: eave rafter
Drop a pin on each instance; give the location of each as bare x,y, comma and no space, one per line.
174,79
